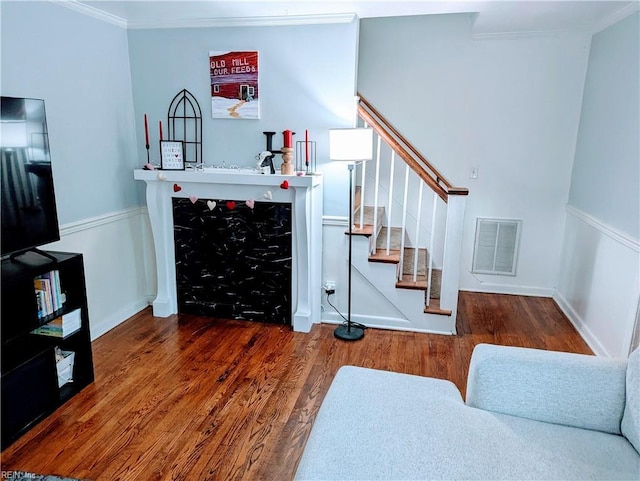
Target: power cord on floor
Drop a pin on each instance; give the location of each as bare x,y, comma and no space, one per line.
356,324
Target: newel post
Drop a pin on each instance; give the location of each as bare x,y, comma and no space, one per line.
453,251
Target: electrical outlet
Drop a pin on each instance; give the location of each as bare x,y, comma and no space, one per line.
473,173
329,287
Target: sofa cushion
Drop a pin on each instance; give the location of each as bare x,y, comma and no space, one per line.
381,425
564,452
630,425
556,387
370,422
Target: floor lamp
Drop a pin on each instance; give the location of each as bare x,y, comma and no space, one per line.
353,146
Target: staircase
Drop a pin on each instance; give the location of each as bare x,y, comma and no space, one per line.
412,259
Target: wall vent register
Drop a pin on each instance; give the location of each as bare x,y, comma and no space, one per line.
496,246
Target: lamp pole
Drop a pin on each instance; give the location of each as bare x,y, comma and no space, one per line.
349,332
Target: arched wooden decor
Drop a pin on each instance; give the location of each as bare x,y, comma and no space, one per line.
184,121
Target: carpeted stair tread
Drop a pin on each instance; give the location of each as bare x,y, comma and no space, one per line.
409,256
395,241
368,215
436,279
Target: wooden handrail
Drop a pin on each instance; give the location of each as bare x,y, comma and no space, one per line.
389,126
432,177
402,152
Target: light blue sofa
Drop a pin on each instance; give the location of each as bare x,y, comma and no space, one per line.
529,414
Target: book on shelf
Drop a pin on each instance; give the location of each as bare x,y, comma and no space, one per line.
49,296
61,326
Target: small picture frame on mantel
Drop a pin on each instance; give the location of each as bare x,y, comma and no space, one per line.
171,155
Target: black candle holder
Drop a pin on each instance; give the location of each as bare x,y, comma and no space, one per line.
306,157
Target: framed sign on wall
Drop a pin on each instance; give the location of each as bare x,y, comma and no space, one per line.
171,155
234,85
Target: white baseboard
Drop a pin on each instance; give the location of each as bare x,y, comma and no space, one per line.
582,328
391,323
102,326
511,290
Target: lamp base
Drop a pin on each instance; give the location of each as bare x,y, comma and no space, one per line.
346,334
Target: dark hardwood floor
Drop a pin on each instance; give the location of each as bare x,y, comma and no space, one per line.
193,398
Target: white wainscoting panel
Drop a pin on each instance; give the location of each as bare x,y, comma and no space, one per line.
114,247
599,283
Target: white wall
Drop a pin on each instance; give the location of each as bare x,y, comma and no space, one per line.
507,105
599,281
307,78
606,171
80,67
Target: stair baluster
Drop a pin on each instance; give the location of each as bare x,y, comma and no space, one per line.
375,198
404,220
363,177
390,199
431,247
417,243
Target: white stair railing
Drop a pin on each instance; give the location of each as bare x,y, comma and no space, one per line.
404,220
416,248
450,234
363,177
390,199
431,247
375,198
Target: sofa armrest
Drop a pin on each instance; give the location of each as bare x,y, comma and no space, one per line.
571,389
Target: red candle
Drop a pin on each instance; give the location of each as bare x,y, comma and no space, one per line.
306,147
288,138
146,130
160,124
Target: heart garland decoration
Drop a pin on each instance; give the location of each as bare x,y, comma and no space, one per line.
284,185
193,199
231,205
162,176
176,188
149,167
250,203
211,204
268,195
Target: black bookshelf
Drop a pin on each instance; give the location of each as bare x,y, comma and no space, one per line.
30,389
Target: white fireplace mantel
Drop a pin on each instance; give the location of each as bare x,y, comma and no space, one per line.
305,196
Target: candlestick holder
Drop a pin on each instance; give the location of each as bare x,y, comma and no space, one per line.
306,157
287,167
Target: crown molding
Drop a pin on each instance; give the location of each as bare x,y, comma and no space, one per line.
284,20
531,34
615,17
92,12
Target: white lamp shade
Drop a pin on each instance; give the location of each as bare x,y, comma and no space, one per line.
351,145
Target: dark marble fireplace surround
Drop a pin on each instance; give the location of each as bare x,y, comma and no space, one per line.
234,261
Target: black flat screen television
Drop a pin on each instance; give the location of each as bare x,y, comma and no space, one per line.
28,205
